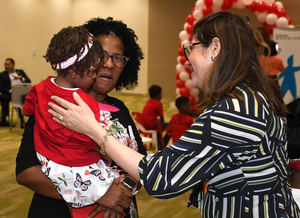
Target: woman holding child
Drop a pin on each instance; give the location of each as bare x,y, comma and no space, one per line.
121,60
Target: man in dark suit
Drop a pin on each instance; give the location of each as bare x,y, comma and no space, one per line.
10,77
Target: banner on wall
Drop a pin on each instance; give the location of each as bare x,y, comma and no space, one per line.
288,40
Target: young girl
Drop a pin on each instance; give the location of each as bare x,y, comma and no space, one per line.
69,159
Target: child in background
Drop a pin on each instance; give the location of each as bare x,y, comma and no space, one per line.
183,117
293,136
153,112
71,160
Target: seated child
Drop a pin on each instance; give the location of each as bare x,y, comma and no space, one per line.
183,116
71,160
153,112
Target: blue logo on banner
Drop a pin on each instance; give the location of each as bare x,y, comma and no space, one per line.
289,81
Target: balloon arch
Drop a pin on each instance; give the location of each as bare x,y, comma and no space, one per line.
269,12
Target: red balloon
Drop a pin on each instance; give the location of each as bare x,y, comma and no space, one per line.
227,4
190,19
272,8
253,6
208,3
180,51
191,38
184,91
182,60
206,11
189,29
192,99
177,75
180,83
289,20
233,1
269,28
281,12
188,70
261,6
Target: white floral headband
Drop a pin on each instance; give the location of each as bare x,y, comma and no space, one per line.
83,51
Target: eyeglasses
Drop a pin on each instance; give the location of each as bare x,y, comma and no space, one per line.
117,59
188,47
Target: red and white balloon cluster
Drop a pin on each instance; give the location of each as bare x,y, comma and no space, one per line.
269,12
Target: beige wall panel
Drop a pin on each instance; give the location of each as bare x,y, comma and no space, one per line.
26,30
166,20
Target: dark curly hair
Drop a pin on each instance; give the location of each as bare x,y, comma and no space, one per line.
108,26
68,42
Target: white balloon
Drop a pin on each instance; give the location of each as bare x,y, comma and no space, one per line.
279,4
216,9
291,26
184,76
238,4
269,1
185,25
261,16
271,19
189,84
183,35
282,22
247,2
197,14
199,4
179,67
177,91
217,3
195,92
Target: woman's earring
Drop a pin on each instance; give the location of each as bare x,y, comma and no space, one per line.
212,58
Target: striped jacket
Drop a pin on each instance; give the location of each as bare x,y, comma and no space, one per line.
239,148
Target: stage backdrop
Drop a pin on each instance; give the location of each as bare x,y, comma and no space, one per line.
288,40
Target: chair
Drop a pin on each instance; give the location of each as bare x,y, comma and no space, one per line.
175,131
17,100
148,136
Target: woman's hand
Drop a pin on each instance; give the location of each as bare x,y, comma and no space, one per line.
117,196
108,213
79,117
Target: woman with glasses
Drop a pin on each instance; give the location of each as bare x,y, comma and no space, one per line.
237,144
119,70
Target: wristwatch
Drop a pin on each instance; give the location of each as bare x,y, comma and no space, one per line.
129,183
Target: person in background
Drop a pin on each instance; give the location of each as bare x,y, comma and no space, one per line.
270,60
293,136
183,117
122,56
237,144
9,77
153,114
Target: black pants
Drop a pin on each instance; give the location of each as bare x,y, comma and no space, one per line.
5,108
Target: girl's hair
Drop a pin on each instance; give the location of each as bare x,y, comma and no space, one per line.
237,61
108,26
72,41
